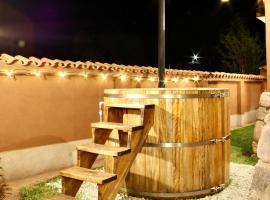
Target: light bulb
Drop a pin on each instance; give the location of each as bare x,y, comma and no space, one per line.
151,79
138,79
104,76
62,74
123,77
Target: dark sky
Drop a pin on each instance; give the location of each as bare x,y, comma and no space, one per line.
121,31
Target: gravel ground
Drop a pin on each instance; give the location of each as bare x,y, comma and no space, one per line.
241,177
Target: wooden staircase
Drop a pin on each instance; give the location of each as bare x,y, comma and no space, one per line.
129,125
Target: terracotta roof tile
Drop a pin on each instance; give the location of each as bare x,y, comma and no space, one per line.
106,67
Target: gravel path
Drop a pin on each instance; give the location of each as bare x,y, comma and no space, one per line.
241,177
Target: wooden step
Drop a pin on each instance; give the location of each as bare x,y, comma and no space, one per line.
130,106
118,126
61,197
84,174
103,149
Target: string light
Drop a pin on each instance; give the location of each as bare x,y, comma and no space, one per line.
138,79
85,75
104,76
196,79
123,77
37,73
62,74
175,80
9,73
152,79
186,80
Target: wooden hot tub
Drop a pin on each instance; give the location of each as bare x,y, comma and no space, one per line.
187,152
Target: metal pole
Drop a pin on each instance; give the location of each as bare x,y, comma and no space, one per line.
161,45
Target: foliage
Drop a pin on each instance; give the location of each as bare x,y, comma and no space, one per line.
39,191
241,149
240,51
4,189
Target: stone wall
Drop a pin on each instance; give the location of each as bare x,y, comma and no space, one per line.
263,118
260,188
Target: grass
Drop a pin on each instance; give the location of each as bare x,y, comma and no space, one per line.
40,191
241,152
241,149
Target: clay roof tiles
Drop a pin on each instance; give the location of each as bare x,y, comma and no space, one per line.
106,67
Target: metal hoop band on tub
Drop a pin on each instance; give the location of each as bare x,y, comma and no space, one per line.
209,191
167,96
182,145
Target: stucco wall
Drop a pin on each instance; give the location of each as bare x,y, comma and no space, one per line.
47,111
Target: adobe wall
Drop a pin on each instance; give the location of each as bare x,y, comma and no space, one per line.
39,115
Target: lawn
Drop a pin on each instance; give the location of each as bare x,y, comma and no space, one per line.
241,152
241,149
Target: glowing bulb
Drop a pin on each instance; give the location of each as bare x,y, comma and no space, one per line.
196,79
104,76
166,81
175,80
138,79
37,74
62,74
225,1
85,75
186,80
9,74
123,77
152,79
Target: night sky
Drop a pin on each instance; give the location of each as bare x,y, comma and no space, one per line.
121,31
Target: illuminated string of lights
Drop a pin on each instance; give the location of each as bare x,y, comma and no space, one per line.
103,76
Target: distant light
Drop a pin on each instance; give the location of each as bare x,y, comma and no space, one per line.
62,74
195,58
123,77
225,1
21,43
166,81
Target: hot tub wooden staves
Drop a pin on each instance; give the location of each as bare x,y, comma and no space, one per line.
187,152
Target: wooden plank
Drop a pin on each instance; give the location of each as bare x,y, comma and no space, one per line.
70,186
103,149
62,197
118,126
121,165
129,106
88,175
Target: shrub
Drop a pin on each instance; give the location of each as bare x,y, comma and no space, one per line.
3,186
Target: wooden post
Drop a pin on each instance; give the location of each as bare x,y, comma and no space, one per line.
267,28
